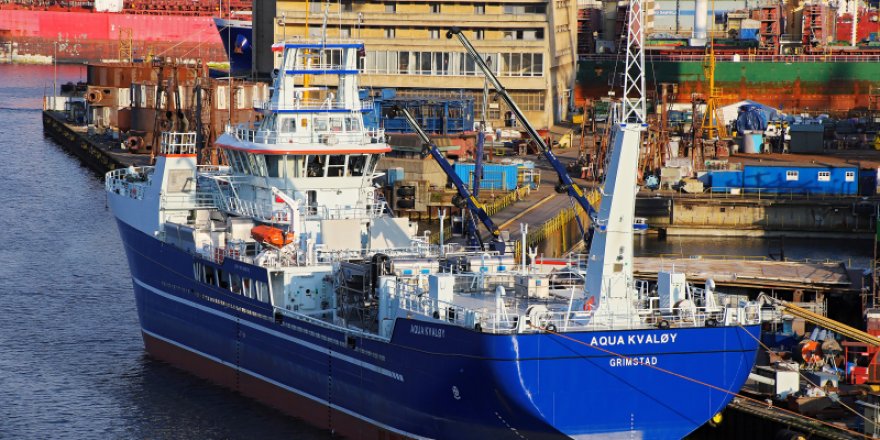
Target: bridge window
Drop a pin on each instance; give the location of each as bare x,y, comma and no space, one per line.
238,161
287,125
336,166
258,164
273,165
357,165
321,124
315,166
269,122
335,124
294,166
352,124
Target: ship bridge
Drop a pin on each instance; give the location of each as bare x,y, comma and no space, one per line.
311,143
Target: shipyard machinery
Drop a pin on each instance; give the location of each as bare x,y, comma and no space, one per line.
566,184
464,197
869,341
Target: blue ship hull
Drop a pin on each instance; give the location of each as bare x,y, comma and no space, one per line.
432,380
237,37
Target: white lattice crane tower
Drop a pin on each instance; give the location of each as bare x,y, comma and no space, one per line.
634,107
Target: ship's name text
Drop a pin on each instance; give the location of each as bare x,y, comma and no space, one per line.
632,361
427,331
662,338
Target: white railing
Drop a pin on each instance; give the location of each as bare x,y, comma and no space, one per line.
360,212
187,201
311,138
247,208
311,104
214,170
131,182
178,143
316,66
414,299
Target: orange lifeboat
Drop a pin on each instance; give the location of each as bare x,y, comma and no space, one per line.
271,235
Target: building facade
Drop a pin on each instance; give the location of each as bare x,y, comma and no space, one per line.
530,45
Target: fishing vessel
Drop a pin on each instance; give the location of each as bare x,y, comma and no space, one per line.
283,276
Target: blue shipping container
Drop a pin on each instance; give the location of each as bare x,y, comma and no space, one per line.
393,175
724,180
800,179
748,34
496,177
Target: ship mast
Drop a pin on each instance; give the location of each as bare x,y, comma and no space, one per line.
609,285
634,75
709,125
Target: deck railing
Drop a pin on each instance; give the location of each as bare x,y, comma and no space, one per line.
310,104
131,182
499,319
329,138
178,143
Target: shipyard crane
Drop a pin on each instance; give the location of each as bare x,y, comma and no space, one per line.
465,197
566,184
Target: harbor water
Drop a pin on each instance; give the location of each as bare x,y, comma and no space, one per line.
72,363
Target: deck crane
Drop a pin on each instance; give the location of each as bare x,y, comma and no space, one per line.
566,185
465,198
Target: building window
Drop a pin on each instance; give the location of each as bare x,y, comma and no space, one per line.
344,32
435,8
850,176
434,34
346,6
527,34
479,8
791,176
525,9
389,33
391,7
529,101
479,34
824,176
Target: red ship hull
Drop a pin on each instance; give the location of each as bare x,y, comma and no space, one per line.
94,36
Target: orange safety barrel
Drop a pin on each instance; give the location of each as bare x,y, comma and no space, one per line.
271,235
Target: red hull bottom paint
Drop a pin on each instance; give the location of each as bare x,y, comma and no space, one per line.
315,413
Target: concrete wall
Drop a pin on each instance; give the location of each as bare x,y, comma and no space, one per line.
750,216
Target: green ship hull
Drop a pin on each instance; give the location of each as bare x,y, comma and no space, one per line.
791,83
